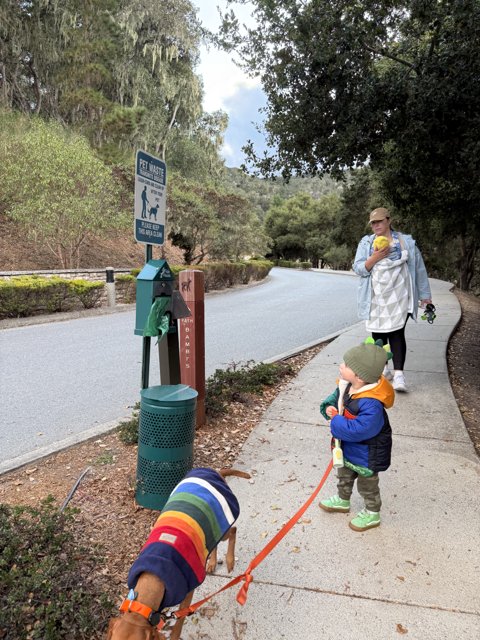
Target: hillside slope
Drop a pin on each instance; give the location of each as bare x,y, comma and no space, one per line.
118,250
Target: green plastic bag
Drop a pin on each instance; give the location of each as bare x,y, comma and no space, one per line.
157,322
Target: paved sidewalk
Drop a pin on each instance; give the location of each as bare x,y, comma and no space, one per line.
417,574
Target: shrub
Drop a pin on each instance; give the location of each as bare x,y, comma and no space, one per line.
128,429
30,295
27,295
234,383
47,590
289,264
221,275
224,386
87,292
22,296
126,286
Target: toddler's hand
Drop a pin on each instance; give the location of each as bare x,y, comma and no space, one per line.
331,412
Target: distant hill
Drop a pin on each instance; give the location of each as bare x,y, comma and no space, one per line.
260,192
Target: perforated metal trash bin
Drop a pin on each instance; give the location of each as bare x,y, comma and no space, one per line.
165,441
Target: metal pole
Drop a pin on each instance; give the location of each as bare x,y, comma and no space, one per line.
146,340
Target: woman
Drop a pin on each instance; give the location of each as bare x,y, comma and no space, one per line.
394,280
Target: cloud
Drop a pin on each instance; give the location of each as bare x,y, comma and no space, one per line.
229,88
245,118
222,79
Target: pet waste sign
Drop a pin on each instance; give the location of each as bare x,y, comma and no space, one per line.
150,198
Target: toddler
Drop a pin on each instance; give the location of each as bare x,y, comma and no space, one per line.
356,410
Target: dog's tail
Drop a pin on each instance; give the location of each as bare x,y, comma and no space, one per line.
234,472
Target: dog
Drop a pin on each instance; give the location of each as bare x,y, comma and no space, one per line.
153,212
180,551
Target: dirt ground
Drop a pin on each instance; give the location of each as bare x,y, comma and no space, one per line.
118,250
108,514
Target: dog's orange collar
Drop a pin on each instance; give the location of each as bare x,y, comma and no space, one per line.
153,617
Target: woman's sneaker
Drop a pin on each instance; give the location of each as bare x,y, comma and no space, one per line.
365,520
335,503
399,383
387,374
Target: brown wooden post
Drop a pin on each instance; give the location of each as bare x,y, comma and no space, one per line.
191,284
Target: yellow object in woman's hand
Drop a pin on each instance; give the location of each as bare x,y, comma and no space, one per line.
381,242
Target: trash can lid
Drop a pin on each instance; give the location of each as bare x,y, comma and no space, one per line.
169,393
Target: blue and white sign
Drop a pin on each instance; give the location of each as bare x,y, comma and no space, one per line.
150,198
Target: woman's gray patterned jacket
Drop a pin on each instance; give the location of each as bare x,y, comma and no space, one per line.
416,268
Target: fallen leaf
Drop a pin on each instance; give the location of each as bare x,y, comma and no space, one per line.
401,629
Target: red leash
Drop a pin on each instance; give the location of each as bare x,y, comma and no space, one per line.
247,576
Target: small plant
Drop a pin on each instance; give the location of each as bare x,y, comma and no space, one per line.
104,459
234,383
47,580
128,429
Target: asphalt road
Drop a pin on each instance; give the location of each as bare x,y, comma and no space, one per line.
64,381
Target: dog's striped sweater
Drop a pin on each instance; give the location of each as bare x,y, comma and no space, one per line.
199,512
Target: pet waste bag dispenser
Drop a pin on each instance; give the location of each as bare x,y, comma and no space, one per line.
167,411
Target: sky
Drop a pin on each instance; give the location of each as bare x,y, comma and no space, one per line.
228,88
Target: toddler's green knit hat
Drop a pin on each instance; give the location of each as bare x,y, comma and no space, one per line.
367,361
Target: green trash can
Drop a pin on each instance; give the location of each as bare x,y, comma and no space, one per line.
165,441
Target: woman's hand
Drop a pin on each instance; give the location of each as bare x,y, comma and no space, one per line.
376,256
423,303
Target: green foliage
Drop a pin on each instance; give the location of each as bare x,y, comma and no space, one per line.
89,293
120,72
390,85
206,221
238,380
293,264
126,286
22,296
221,275
25,295
301,227
47,580
261,193
128,429
56,189
232,384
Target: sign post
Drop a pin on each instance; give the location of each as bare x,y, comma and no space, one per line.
192,336
149,219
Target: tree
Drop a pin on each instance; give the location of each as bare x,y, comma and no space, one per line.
195,152
205,221
121,72
55,187
161,49
300,227
393,84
